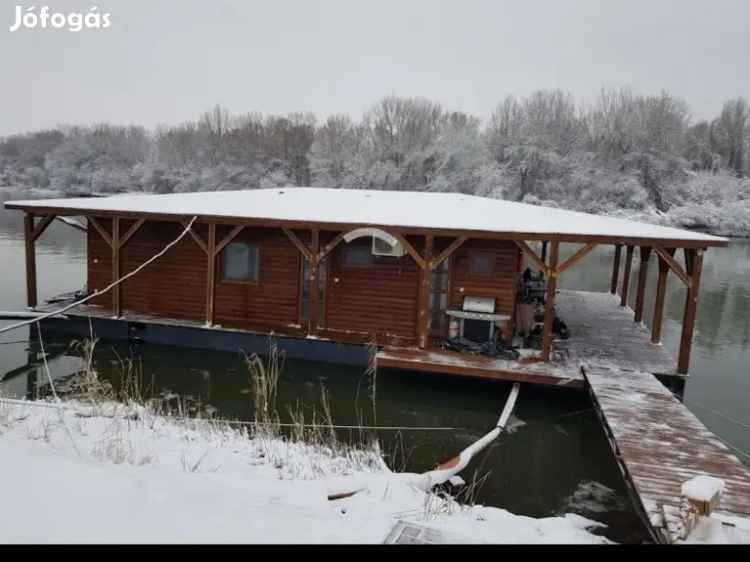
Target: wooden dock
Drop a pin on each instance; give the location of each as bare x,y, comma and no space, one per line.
658,443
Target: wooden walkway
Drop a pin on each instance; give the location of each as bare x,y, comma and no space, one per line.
659,445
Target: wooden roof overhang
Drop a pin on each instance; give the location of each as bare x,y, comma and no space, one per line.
400,229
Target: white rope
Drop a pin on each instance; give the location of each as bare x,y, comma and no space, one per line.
62,406
719,414
54,393
105,290
326,426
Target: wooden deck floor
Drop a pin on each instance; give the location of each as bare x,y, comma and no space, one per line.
660,445
477,366
602,333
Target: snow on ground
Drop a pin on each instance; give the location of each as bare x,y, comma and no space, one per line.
117,474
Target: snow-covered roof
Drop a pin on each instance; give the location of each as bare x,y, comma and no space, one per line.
419,210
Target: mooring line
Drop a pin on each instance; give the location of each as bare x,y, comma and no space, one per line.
326,426
723,416
106,289
62,406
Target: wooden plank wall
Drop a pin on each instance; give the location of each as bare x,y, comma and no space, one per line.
174,286
362,303
272,302
99,263
379,300
500,283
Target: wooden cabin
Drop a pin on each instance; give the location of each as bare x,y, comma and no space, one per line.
327,269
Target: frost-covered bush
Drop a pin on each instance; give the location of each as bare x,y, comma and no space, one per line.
112,180
36,177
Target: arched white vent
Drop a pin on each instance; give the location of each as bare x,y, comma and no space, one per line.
383,243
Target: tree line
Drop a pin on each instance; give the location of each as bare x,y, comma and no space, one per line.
625,149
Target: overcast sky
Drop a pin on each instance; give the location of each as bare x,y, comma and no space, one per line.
165,61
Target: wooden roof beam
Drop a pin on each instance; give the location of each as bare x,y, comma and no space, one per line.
331,245
196,237
673,265
575,258
228,240
410,250
448,252
101,230
304,250
526,249
41,227
131,231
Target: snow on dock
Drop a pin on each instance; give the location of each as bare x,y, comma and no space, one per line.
602,332
660,445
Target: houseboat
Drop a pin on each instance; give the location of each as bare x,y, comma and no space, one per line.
440,283
332,272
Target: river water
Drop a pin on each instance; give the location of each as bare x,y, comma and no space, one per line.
555,459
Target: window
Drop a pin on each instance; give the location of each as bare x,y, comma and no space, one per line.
357,255
240,262
481,264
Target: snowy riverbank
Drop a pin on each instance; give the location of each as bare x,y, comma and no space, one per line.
117,474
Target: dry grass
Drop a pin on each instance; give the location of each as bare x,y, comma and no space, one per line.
86,386
264,382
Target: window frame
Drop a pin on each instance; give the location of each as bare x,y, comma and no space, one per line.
250,280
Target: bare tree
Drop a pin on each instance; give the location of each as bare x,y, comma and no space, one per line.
732,133
215,124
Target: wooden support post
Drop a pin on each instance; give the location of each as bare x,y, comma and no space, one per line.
314,264
626,276
616,269
640,295
661,292
424,295
210,248
28,228
544,252
695,260
116,309
549,307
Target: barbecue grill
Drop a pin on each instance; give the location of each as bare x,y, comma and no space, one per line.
477,320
